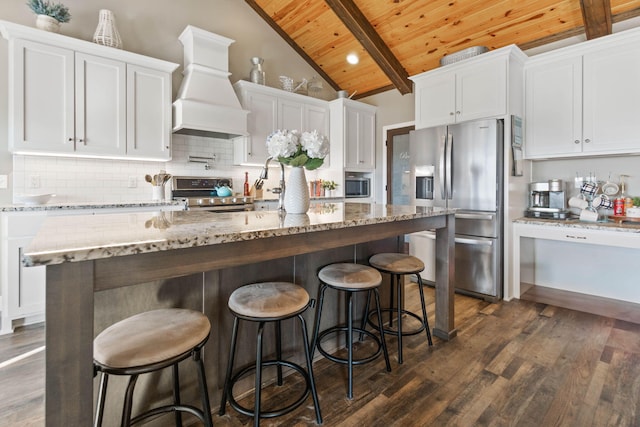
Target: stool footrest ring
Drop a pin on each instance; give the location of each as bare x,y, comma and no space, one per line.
336,359
395,331
276,412
170,408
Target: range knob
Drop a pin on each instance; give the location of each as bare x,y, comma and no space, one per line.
212,201
200,202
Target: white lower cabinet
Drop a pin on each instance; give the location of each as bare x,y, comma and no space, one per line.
23,292
23,288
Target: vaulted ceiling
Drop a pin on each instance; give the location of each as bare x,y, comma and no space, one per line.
395,39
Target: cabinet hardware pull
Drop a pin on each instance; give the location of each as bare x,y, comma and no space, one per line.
577,141
587,140
569,236
70,139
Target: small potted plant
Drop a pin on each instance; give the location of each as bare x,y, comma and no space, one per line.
50,15
328,187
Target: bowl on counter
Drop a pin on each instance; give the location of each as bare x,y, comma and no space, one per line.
34,199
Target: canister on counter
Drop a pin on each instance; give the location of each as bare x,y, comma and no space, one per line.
618,206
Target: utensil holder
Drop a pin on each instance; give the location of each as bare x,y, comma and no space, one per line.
157,193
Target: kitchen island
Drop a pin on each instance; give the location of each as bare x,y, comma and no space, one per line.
88,255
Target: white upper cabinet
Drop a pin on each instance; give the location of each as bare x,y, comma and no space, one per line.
611,79
271,109
582,100
42,96
148,113
353,127
76,98
100,106
553,108
473,89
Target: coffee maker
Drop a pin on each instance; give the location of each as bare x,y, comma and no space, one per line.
547,200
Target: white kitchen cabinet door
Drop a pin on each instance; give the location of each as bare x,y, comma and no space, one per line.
481,90
317,118
435,100
611,93
148,113
359,139
553,108
101,114
41,108
262,121
28,283
467,92
290,115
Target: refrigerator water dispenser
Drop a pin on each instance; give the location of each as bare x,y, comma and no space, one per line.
424,187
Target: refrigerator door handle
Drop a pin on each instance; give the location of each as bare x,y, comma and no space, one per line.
474,241
449,166
441,166
488,217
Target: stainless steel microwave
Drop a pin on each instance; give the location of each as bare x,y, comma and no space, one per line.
357,186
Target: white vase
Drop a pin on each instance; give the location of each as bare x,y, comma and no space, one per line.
47,23
296,194
106,33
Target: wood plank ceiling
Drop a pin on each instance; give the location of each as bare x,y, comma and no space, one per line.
395,39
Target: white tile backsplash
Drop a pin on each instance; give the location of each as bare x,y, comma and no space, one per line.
77,180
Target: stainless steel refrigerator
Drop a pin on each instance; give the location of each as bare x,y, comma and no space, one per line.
460,166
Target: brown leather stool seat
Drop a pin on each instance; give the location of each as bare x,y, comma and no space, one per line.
268,302
349,278
397,265
148,342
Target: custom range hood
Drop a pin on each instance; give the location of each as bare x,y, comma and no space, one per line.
206,104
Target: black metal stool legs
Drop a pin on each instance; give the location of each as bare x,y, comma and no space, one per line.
176,394
349,329
230,378
314,393
424,309
258,384
102,394
232,356
399,300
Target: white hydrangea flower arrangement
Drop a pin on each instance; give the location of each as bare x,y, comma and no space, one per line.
294,149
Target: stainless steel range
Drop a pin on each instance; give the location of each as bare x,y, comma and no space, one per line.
201,193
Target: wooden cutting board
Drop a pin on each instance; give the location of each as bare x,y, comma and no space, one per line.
621,218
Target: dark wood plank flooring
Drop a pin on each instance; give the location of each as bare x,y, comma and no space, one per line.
515,363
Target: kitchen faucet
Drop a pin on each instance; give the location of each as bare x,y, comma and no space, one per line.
277,190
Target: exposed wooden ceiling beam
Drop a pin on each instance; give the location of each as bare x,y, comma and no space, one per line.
633,13
597,18
292,43
360,27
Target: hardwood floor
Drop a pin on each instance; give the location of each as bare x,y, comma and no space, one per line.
514,363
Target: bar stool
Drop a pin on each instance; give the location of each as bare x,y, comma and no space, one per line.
148,342
349,278
268,302
397,265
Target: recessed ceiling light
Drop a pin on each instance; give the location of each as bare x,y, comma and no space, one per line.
353,59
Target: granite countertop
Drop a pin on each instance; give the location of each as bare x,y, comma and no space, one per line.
609,225
86,205
87,237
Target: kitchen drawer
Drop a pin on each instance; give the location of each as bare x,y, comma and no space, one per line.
580,235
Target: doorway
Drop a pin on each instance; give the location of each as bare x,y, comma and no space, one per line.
398,185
